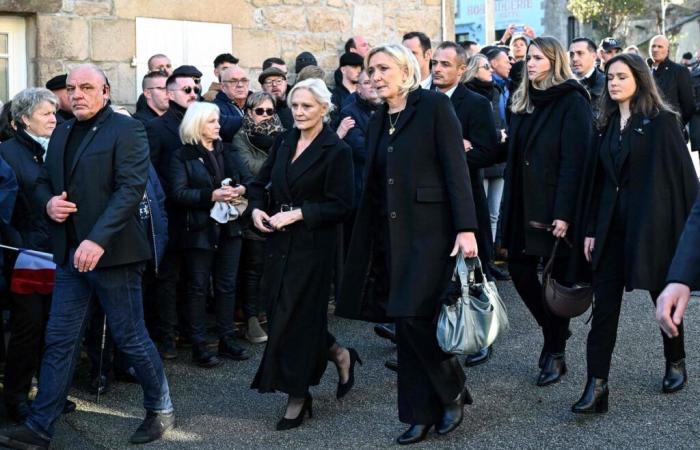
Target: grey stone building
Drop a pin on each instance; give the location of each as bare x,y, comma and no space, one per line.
43,38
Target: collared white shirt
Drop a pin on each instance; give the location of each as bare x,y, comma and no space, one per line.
451,91
425,84
588,75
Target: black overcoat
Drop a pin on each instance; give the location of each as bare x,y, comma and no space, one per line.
661,187
673,80
163,140
299,260
29,227
550,162
107,180
429,200
191,182
685,267
475,115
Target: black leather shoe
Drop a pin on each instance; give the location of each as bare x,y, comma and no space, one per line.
498,272
554,368
69,407
392,364
414,434
594,398
479,357
21,437
204,357
229,348
100,384
343,389
17,413
454,412
676,376
153,427
543,353
386,331
287,424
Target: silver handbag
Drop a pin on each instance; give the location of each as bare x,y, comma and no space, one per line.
476,318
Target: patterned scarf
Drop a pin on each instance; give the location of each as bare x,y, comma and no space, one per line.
270,127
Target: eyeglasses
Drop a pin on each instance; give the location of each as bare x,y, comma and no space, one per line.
275,82
189,89
264,111
236,82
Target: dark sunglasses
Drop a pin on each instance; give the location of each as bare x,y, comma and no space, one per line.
189,89
266,111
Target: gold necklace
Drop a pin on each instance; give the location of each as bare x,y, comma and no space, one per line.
392,126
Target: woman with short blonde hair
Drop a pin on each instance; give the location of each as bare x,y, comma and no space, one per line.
205,173
407,63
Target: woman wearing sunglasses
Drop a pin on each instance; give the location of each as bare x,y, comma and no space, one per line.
261,126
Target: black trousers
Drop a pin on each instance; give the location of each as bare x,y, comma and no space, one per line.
166,293
250,273
523,271
28,317
221,265
428,378
608,285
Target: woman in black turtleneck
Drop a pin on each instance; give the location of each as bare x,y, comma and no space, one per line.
549,136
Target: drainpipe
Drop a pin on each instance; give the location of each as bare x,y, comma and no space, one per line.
443,18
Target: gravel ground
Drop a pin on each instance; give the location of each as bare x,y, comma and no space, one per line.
216,409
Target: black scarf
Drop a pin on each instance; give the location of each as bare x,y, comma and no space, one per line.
178,110
483,88
541,98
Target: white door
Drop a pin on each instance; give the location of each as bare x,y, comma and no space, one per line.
13,56
192,43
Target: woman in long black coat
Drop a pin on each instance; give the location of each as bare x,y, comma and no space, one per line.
211,249
311,176
416,212
549,137
643,188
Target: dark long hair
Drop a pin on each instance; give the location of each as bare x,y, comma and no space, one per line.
646,100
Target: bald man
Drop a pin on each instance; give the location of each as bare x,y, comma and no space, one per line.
672,79
99,166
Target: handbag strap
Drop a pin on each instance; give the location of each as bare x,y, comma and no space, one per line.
466,271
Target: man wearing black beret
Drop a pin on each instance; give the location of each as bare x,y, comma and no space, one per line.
57,85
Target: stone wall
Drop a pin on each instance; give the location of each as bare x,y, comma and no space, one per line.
70,32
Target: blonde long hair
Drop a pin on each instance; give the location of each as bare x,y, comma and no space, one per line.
559,73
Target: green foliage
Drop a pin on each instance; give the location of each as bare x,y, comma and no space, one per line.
607,14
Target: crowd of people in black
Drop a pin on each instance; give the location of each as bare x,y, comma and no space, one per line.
260,207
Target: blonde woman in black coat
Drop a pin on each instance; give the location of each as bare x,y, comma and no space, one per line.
643,188
416,213
310,172
549,137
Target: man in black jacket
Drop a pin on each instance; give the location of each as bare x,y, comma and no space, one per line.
583,57
672,79
478,131
98,163
154,91
683,276
350,66
57,85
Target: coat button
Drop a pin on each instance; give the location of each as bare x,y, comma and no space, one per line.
390,181
216,246
527,163
392,215
284,256
390,149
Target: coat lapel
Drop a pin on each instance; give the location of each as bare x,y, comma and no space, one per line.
458,96
54,155
309,156
88,138
637,140
605,155
284,156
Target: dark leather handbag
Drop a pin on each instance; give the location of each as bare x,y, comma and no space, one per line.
561,300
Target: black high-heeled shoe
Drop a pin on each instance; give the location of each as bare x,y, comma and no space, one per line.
554,368
344,388
594,398
675,378
288,424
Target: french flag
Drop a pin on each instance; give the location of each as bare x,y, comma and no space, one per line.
34,273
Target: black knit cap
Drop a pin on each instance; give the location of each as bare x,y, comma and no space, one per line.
351,59
56,83
304,59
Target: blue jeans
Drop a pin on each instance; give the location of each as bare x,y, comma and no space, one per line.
118,289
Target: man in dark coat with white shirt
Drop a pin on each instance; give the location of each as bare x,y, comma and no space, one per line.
672,79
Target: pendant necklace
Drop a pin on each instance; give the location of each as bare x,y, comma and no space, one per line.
392,125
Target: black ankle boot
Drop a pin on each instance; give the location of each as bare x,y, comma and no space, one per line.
414,434
676,376
554,368
594,398
454,412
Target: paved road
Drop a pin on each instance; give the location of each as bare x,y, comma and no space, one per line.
217,410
